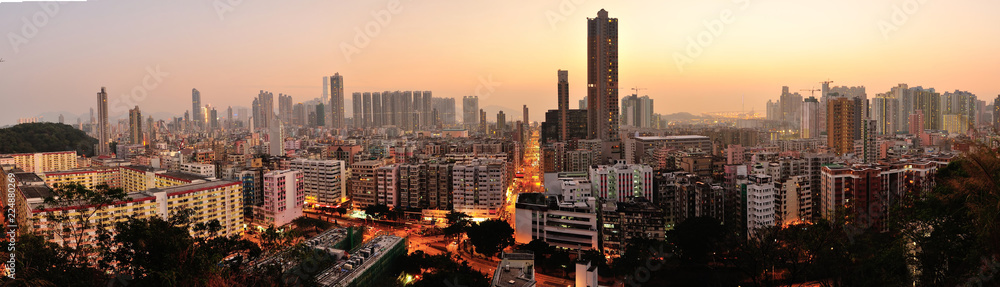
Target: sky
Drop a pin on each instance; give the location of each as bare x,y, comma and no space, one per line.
688,55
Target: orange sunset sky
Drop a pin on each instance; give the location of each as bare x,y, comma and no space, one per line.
229,50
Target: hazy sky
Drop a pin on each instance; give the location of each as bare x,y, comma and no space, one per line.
231,49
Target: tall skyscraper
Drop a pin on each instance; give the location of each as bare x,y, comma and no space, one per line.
266,101
602,76
427,120
337,101
869,141
501,123
525,117
840,124
470,111
562,89
358,110
366,110
637,111
102,123
285,108
482,122
196,108
883,110
996,115
810,118
135,125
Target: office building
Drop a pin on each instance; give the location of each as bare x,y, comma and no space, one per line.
576,121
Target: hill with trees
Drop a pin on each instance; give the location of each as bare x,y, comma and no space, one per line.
45,137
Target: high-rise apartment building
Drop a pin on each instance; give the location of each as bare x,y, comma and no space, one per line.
996,115
602,77
562,89
363,183
470,112
621,181
337,101
358,103
265,100
102,123
196,114
479,187
884,109
840,124
810,118
135,126
637,111
760,203
284,195
285,108
325,181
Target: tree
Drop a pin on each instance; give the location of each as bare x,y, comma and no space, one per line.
308,223
377,211
455,216
491,236
74,226
697,237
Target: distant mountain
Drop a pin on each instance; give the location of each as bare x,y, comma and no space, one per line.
45,137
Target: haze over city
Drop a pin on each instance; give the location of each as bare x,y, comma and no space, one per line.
406,143
230,52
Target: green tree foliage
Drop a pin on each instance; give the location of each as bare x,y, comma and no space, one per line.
441,270
45,137
491,236
70,227
377,211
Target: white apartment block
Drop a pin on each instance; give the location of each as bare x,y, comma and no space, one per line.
622,181
284,197
480,187
206,170
760,203
325,181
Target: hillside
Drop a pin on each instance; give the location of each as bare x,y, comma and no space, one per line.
45,137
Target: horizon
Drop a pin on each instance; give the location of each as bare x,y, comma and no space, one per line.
229,54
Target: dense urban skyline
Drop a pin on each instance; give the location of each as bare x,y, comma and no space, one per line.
229,54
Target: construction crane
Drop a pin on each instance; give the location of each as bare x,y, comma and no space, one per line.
637,89
827,82
812,92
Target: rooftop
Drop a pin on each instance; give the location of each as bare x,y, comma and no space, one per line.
681,137
183,175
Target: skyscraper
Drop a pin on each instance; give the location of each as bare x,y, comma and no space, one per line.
135,125
840,124
102,123
810,118
525,117
562,88
883,110
470,111
637,111
501,123
285,108
602,76
358,116
266,101
428,107
378,116
996,115
337,101
196,114
366,110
